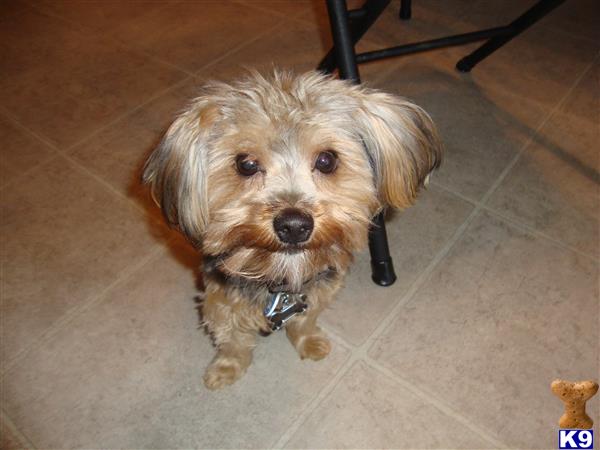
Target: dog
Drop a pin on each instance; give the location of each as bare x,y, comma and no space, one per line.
276,179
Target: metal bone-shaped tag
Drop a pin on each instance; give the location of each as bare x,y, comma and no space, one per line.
282,306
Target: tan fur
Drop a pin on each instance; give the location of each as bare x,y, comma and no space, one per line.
386,147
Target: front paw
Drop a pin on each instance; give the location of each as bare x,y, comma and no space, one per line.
314,347
222,372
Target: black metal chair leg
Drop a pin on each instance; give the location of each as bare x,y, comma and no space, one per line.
531,16
381,261
405,9
343,44
382,266
369,13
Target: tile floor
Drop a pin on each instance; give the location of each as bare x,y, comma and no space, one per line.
497,290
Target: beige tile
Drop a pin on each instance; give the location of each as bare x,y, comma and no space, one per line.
369,410
554,187
65,85
128,374
504,315
10,9
487,116
460,17
578,17
10,438
540,65
192,34
415,237
479,136
64,239
19,151
296,46
117,155
286,8
99,16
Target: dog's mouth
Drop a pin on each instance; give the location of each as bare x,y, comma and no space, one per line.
294,248
278,247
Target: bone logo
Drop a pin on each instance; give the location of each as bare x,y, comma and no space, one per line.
576,426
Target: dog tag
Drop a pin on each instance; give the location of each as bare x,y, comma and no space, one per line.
282,307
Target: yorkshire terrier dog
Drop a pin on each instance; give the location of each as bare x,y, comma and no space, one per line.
276,179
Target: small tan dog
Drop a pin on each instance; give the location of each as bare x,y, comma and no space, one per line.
276,180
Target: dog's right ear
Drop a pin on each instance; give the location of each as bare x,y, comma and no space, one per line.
177,170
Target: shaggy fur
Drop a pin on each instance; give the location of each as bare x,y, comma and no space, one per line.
385,148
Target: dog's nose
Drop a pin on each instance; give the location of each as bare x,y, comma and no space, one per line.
293,226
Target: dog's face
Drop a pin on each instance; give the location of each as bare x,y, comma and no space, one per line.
282,176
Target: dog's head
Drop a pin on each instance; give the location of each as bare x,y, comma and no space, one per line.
282,175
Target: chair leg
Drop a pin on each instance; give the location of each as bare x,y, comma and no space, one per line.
342,40
369,13
382,266
381,261
405,9
531,16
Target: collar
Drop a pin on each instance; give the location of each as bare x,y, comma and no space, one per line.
212,265
328,273
282,303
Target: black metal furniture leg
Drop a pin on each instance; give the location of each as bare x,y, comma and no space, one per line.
343,44
365,18
381,261
531,16
405,9
382,266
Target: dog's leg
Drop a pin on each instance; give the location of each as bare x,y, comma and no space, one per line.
302,331
308,339
234,333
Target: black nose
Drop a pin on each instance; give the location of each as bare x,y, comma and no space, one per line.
293,226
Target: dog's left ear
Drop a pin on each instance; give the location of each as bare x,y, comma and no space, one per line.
177,170
402,144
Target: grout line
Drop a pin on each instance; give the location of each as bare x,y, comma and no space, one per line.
100,129
90,33
122,195
451,191
515,222
441,406
66,152
556,29
246,43
152,57
75,312
128,113
269,10
337,338
16,433
89,173
315,402
8,115
541,125
419,281
538,234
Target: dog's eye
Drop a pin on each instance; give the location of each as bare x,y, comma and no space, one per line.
326,162
246,166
